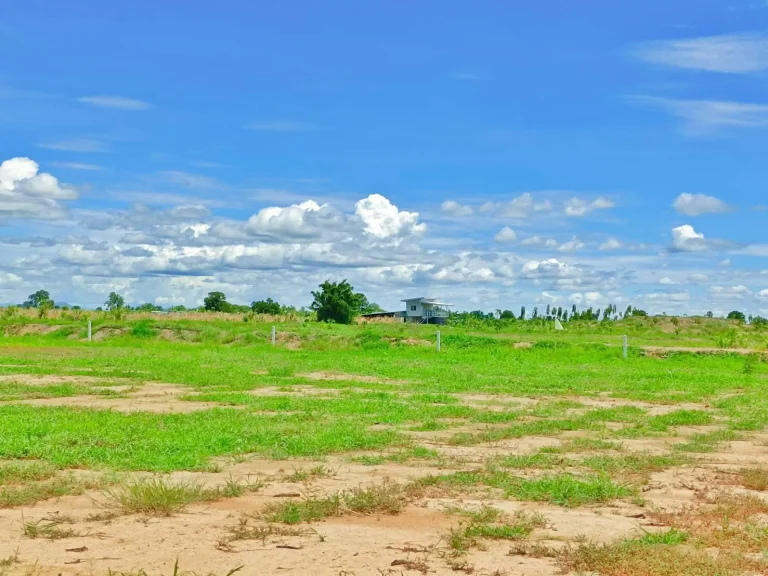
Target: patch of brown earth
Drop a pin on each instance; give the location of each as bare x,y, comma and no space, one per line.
104,333
340,376
31,329
661,351
48,379
151,397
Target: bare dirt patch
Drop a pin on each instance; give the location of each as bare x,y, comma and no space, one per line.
340,376
30,330
151,397
48,379
104,333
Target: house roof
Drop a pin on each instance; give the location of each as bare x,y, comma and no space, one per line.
423,300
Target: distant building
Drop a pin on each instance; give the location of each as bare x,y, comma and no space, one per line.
426,311
418,311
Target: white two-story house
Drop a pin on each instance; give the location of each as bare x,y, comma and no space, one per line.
426,310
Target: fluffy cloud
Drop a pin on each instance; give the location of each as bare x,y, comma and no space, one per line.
505,235
453,208
580,207
382,219
545,268
686,239
299,221
539,241
522,206
729,292
698,204
610,244
27,193
762,296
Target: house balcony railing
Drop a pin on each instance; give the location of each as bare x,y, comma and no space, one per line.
435,314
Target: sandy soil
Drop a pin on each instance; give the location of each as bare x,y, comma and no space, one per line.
352,545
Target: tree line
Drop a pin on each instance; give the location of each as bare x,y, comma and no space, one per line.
338,302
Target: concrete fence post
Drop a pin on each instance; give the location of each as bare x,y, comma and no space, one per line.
625,346
438,340
89,331
274,336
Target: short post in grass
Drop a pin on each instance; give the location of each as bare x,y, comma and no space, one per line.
89,331
625,345
274,336
438,340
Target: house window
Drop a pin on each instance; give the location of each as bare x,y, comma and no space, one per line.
413,307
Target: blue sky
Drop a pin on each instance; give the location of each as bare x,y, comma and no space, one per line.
492,153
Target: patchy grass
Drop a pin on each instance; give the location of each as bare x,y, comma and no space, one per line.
708,442
49,528
158,496
304,475
23,471
399,457
493,526
562,489
634,464
590,445
755,479
63,485
569,490
386,498
638,558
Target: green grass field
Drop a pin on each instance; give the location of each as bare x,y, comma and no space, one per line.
377,396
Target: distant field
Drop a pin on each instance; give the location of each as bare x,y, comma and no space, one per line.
362,450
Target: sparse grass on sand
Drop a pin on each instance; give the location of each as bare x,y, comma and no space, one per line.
385,498
159,496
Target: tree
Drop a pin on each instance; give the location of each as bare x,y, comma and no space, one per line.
565,315
628,312
710,314
606,313
215,302
267,306
573,310
759,322
336,302
638,312
522,312
736,315
38,299
148,307
548,310
114,302
506,315
365,306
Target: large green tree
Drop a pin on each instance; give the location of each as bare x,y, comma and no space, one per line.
267,306
336,302
114,302
215,302
41,298
736,315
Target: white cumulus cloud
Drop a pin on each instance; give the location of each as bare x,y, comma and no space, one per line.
27,193
522,206
505,235
382,219
686,239
453,208
698,204
580,207
610,244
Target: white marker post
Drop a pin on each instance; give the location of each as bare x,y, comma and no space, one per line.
89,330
438,340
274,336
625,346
